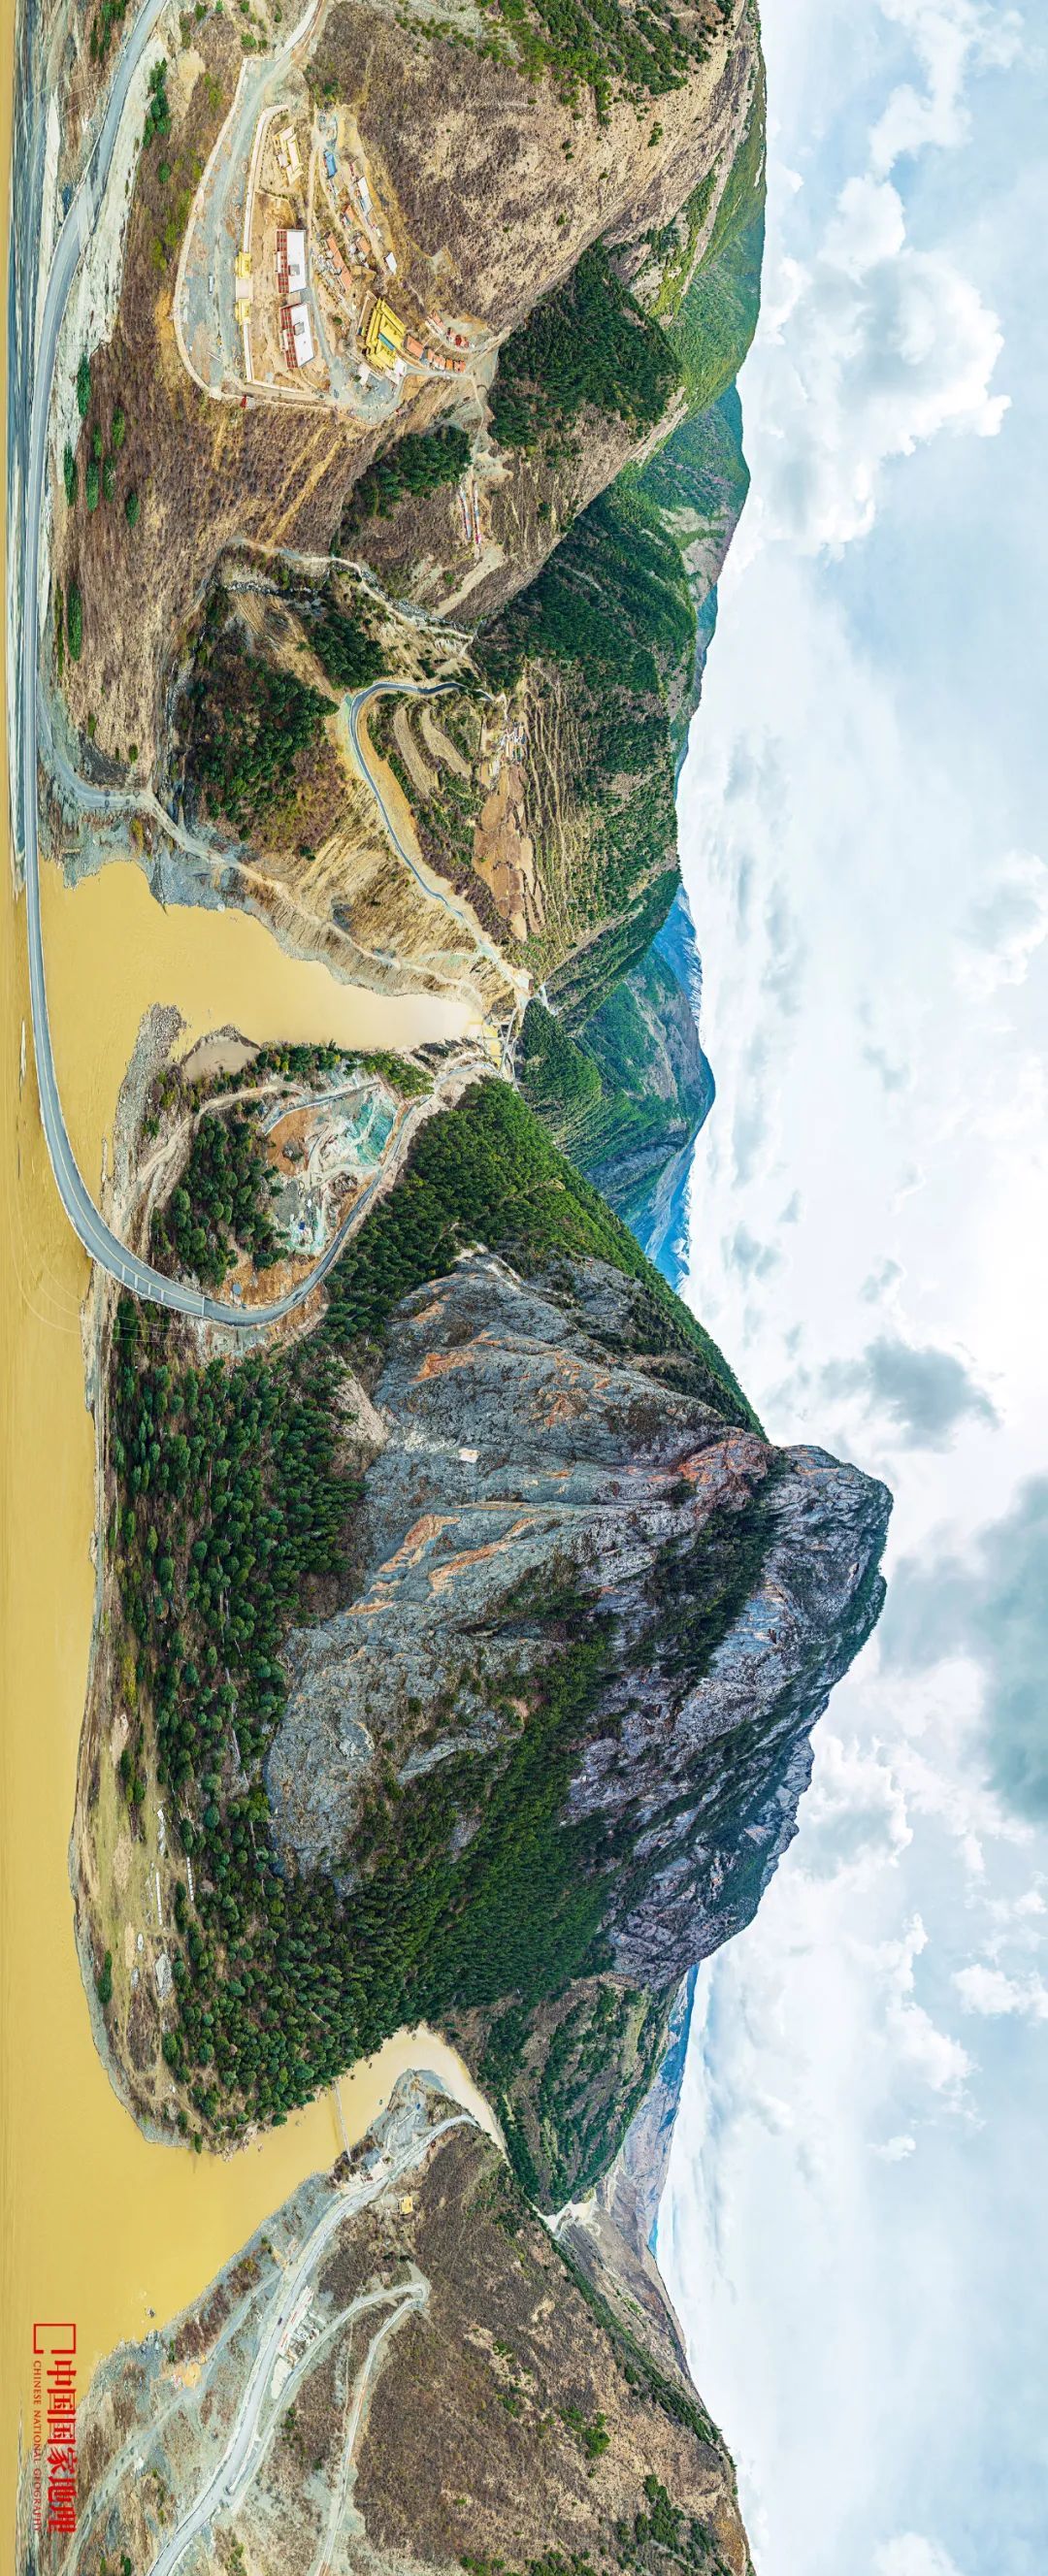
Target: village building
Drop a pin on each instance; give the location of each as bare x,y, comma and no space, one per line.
291,261
296,337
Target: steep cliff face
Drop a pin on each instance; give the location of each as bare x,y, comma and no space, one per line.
452,2390
593,1626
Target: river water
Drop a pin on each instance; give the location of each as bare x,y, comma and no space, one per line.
98,2226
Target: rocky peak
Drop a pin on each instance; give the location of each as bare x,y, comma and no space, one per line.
549,1487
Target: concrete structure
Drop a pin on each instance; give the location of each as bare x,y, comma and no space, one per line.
287,152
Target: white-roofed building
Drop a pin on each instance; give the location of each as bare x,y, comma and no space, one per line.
301,334
291,261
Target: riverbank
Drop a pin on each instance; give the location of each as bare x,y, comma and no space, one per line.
97,2226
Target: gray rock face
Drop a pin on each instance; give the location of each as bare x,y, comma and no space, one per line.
744,1731
528,1438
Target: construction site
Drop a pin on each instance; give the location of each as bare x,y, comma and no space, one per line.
290,283
320,286
326,1148
322,1152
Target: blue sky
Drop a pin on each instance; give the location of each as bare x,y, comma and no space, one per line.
855,2228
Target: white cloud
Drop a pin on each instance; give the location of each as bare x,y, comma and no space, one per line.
957,1798
845,2315
872,346
880,1282
854,1814
1018,1922
989,1991
864,354
932,2055
910,2555
754,1260
1006,927
951,39
991,1604
923,1393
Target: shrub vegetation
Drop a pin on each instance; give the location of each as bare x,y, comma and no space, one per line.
245,723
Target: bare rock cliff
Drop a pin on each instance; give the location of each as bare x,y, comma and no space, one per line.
571,1560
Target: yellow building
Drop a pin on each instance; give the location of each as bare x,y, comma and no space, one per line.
385,335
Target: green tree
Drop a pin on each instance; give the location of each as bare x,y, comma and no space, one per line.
348,656
83,386
417,463
118,431
69,474
158,112
74,621
588,346
91,483
132,507
97,444
104,1980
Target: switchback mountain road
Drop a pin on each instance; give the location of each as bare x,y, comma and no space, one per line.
246,2439
357,705
97,1237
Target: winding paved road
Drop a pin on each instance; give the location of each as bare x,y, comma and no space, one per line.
97,1237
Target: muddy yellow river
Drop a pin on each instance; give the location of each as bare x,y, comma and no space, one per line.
98,2226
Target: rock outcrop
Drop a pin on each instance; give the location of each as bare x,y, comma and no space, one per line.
546,1480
